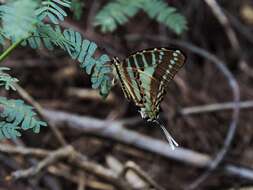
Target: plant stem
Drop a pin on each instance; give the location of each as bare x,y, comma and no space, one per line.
9,50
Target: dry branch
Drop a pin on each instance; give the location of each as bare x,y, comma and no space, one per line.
51,158
135,168
26,96
222,18
115,131
72,157
215,107
9,149
221,66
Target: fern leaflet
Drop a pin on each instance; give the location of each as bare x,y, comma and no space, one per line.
18,19
98,68
159,10
17,116
79,49
116,13
6,80
9,130
53,10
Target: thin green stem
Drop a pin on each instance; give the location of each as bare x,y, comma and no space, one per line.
10,49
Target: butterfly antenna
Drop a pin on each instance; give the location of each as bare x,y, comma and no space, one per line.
168,136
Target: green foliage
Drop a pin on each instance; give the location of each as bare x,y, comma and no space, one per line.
52,36
14,114
6,80
18,19
165,14
118,12
79,49
98,68
23,21
17,116
77,8
53,10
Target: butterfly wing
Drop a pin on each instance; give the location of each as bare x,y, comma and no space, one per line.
146,74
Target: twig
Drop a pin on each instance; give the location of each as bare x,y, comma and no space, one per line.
24,94
236,98
81,181
136,181
49,181
201,109
132,166
235,116
51,158
23,151
74,179
90,94
214,107
241,28
222,18
115,131
73,158
99,171
224,21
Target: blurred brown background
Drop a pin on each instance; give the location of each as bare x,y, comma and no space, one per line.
198,108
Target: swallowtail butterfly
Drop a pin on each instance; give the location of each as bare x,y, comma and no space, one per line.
144,78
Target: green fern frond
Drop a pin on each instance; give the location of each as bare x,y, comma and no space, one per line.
9,130
116,13
17,116
53,10
6,80
68,40
160,11
18,19
98,67
79,49
50,37
54,37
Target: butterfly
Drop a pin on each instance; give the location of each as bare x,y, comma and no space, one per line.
144,77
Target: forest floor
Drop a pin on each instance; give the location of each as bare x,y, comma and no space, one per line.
118,148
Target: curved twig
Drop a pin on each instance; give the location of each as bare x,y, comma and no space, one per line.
26,96
222,18
70,155
115,131
216,107
236,99
235,117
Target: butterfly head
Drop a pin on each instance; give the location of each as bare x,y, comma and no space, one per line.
149,115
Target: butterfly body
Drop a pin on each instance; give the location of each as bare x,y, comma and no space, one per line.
144,77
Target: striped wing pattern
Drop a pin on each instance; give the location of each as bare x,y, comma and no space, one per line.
144,77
